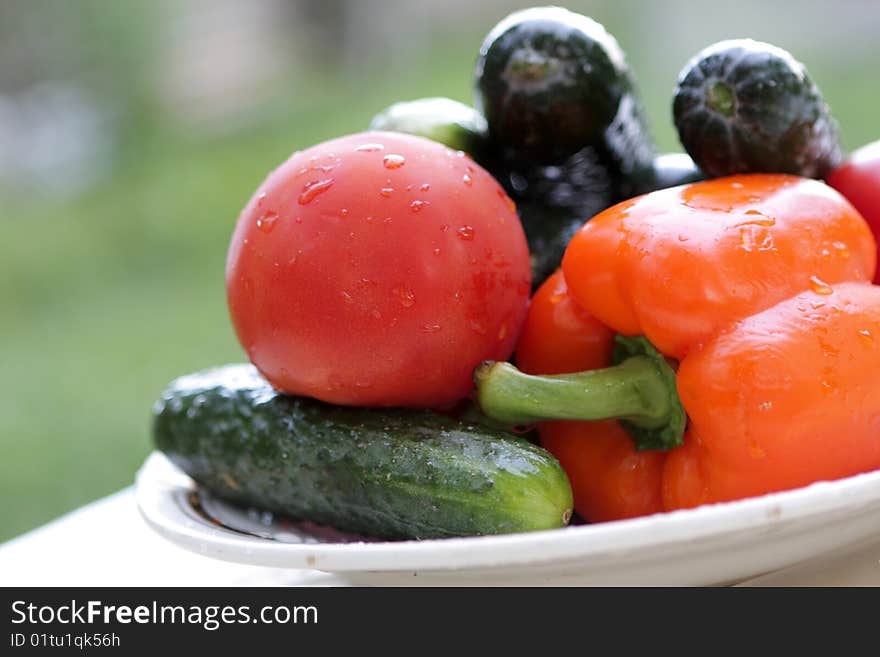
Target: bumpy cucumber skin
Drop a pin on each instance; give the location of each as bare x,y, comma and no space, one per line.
441,119
551,82
778,122
394,474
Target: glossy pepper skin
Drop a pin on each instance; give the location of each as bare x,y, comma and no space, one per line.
610,479
758,286
681,264
781,399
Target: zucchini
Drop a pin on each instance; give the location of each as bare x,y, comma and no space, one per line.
392,474
743,106
444,120
551,82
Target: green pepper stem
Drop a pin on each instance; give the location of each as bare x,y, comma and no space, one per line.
640,391
632,390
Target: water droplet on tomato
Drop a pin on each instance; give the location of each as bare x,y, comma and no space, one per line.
405,295
477,327
841,249
866,337
431,328
261,198
343,212
465,233
313,189
267,220
370,148
437,251
819,286
425,187
346,297
467,180
416,206
393,161
386,191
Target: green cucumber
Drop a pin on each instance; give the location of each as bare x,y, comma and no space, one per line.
441,119
551,82
394,474
743,106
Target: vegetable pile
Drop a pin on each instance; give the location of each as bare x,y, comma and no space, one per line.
702,326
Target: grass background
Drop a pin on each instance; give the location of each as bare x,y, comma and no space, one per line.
106,296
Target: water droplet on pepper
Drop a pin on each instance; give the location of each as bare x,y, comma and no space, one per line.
819,286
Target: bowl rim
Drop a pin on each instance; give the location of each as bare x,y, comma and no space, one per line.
162,493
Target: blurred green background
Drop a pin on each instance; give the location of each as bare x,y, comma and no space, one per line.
132,133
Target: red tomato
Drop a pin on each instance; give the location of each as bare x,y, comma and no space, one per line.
858,179
378,269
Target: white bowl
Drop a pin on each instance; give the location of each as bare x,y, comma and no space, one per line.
710,545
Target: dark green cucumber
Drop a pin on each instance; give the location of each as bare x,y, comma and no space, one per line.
444,120
743,106
551,82
670,170
384,473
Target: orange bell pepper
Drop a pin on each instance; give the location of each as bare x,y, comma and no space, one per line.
610,479
753,293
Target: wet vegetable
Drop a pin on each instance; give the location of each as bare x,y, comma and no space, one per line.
378,269
382,473
743,301
444,120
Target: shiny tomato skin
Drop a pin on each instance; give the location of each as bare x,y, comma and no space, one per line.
858,179
378,269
